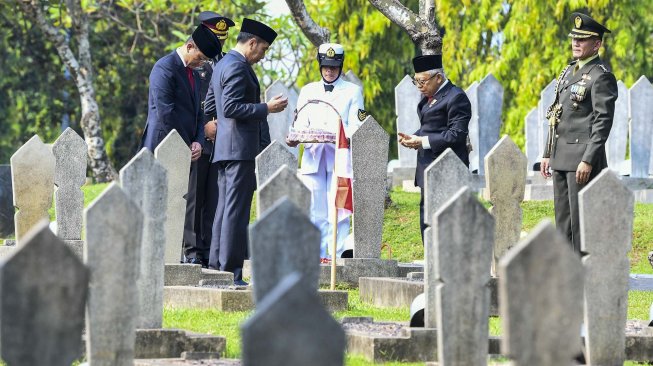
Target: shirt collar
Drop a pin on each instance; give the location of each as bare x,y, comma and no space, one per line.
181,57
441,86
584,62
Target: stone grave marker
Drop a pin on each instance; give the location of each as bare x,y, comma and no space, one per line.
369,154
286,234
144,181
407,97
505,180
71,158
640,102
283,183
547,96
532,142
540,299
6,202
273,157
458,302
173,154
113,248
291,327
279,123
606,210
43,293
617,143
473,128
32,178
442,179
490,103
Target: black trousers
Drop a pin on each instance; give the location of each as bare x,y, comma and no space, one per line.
236,185
422,224
205,205
565,202
189,240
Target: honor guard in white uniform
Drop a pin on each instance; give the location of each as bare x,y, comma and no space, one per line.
318,159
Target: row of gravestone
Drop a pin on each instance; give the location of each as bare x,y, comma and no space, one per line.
543,285
631,133
37,171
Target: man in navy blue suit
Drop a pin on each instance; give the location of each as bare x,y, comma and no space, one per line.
174,103
444,114
196,250
242,133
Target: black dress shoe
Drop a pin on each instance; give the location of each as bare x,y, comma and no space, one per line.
193,261
240,283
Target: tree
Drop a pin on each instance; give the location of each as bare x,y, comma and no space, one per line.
81,68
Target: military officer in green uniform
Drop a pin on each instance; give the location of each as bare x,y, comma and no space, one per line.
579,124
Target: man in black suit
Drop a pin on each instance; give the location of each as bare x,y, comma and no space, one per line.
196,245
242,133
444,114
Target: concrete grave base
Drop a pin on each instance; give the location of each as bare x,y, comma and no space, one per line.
77,246
400,292
401,174
539,192
235,298
349,270
187,362
397,342
192,274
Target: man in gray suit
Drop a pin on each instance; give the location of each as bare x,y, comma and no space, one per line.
580,120
242,133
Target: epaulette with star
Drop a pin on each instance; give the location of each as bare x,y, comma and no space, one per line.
605,69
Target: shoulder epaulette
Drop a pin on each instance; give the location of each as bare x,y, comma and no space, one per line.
605,69
573,62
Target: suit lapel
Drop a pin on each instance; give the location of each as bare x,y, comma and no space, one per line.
182,73
241,58
582,71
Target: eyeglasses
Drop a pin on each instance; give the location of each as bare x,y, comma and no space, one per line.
422,82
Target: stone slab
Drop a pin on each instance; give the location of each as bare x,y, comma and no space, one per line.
640,282
182,274
183,362
377,344
169,343
349,270
229,299
405,268
538,192
279,123
401,174
77,246
400,292
407,96
284,182
71,156
273,157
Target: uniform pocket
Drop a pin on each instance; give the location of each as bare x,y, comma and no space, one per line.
577,138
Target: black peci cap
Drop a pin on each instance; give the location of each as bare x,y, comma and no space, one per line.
217,23
206,41
258,29
427,62
585,27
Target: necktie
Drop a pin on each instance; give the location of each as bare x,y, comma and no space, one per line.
576,68
191,80
328,88
429,100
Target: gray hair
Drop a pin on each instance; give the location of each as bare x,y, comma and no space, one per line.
437,71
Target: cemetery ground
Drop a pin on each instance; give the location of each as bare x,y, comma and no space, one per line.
402,237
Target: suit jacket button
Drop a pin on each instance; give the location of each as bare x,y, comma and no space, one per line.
576,140
557,136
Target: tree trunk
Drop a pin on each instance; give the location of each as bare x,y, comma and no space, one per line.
422,29
316,34
82,72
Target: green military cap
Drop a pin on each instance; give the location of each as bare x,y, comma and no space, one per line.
585,27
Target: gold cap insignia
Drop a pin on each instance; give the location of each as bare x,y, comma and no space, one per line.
221,25
331,53
578,22
362,114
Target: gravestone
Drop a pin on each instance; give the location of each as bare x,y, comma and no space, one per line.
32,178
407,97
174,155
540,299
71,158
490,103
473,128
144,181
352,78
442,179
640,102
113,249
617,143
458,302
606,224
532,141
279,123
505,180
291,327
273,157
282,241
369,153
546,99
283,183
44,287
293,95
6,202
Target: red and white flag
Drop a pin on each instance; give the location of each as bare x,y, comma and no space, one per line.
343,175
